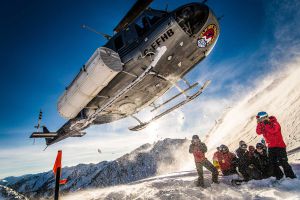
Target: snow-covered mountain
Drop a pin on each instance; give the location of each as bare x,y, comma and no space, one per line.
10,194
145,161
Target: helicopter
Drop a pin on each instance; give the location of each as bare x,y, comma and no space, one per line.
150,52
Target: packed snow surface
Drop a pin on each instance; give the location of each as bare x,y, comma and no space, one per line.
181,186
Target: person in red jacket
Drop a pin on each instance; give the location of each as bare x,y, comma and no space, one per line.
198,149
271,131
226,160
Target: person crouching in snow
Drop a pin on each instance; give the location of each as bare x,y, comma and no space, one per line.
262,161
246,166
271,130
227,161
198,149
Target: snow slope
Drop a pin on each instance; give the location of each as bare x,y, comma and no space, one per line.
181,186
278,95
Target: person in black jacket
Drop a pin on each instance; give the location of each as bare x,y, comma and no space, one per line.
246,163
262,161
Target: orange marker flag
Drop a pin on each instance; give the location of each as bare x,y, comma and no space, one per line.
57,163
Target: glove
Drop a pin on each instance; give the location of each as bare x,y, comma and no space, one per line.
251,166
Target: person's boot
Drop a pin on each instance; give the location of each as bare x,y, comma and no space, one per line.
215,178
200,183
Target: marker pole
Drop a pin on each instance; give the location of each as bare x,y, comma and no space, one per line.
57,180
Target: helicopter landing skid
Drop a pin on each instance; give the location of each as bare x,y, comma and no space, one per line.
143,125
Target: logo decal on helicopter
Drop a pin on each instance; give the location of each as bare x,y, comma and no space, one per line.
162,38
207,36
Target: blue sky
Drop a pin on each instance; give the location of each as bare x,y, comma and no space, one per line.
42,48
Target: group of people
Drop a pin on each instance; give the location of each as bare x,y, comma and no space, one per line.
259,162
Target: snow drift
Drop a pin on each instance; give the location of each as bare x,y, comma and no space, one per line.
181,186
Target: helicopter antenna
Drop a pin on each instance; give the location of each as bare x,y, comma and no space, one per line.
108,37
167,5
39,123
39,120
204,1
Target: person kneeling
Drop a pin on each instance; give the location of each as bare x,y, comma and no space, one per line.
262,161
226,160
246,167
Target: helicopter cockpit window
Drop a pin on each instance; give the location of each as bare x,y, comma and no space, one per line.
119,42
148,19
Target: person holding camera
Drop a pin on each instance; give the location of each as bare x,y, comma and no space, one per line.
271,131
198,149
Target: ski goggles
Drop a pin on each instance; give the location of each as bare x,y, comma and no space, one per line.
224,149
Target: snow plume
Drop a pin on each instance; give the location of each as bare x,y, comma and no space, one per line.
182,160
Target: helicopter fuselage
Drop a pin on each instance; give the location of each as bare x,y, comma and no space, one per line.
189,33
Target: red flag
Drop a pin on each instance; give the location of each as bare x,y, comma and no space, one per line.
62,182
57,163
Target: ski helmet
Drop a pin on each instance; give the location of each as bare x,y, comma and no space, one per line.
243,144
195,137
259,146
251,148
261,115
224,148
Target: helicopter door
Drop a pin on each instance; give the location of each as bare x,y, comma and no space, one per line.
126,41
119,42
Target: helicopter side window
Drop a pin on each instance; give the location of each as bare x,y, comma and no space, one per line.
142,25
119,42
153,19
